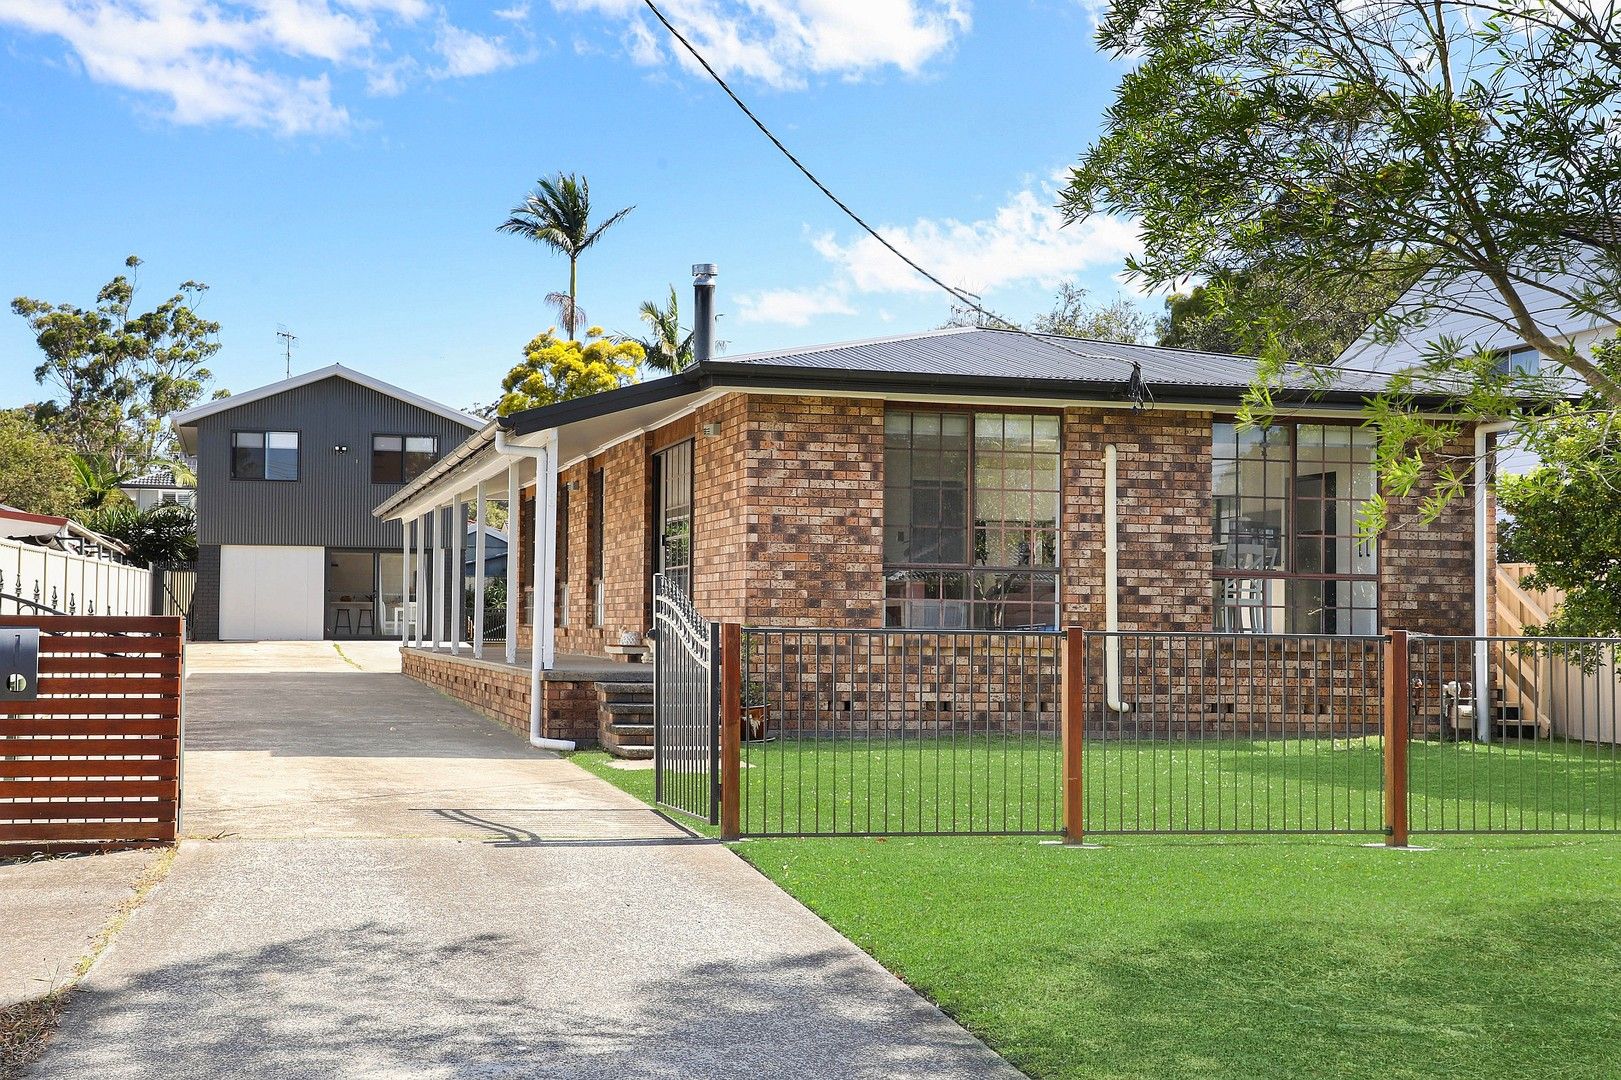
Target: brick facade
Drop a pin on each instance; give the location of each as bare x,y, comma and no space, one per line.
788,524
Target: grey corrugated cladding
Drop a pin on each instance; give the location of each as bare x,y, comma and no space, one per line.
330,504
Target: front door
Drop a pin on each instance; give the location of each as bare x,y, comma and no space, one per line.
672,472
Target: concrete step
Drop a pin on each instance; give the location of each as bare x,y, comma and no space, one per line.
637,686
626,708
626,740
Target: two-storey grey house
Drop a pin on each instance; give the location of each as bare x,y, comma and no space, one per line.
287,476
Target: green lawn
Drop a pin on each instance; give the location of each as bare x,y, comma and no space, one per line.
1239,957
1008,784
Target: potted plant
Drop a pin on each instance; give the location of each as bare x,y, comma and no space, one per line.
756,710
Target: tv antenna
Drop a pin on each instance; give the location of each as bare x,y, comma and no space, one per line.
289,339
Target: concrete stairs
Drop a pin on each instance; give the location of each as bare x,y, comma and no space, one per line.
625,718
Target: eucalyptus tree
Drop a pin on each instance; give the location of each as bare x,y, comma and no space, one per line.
558,214
1459,153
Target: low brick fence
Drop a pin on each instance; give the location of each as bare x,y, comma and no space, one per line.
501,692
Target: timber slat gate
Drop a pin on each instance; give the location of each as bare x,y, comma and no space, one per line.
95,762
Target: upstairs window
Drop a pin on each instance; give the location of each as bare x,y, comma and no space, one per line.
1523,360
399,459
1287,557
264,455
971,520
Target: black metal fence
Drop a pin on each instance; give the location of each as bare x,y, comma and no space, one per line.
686,718
1232,733
1535,749
939,732
899,732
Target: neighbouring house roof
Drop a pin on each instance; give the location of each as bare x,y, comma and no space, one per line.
157,478
63,534
189,418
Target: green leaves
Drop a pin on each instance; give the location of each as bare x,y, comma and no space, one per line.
558,369
120,374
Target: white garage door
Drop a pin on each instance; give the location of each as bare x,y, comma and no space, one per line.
272,593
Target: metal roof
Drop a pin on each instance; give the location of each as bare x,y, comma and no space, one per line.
1006,354
965,363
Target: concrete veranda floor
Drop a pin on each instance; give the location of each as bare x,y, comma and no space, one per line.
398,888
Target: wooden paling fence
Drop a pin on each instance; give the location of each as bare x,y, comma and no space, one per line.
94,762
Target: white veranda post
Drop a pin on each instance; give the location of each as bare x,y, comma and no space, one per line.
514,601
405,582
419,609
546,554
458,595
438,576
478,571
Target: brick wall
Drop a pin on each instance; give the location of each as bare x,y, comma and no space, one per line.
1164,513
814,484
1427,572
788,525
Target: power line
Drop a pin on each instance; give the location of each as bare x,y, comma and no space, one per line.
1136,388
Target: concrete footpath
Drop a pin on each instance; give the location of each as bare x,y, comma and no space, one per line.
400,888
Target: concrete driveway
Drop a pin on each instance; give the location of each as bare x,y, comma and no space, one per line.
399,888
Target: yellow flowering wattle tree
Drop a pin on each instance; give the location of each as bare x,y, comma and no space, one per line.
560,369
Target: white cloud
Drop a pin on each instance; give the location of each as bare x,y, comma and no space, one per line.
466,54
265,64
784,42
1023,242
516,13
792,307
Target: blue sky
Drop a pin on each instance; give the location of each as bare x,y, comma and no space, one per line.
340,167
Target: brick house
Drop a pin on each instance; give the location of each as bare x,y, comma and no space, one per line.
961,478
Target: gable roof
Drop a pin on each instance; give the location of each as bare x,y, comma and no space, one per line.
192,415
968,363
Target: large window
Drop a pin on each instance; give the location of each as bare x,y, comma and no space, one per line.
264,455
399,459
674,539
970,520
1287,557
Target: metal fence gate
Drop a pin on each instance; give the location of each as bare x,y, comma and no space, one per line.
686,705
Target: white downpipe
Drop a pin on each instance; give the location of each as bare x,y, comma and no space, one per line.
540,652
1483,571
1111,576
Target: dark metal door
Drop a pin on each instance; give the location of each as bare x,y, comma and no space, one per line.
686,705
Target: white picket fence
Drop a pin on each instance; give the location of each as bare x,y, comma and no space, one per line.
73,584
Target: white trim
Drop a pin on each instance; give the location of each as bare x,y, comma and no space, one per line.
199,412
688,410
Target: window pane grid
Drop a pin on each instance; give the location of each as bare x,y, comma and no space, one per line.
971,519
1286,554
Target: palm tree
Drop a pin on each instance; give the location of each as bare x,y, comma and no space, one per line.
667,348
558,214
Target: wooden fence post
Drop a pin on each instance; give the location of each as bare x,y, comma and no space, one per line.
1396,733
731,729
1072,731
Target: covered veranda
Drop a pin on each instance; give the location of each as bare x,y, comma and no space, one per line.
513,669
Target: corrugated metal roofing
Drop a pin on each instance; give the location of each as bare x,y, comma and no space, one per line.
974,352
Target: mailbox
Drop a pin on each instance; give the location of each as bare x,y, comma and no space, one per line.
19,664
